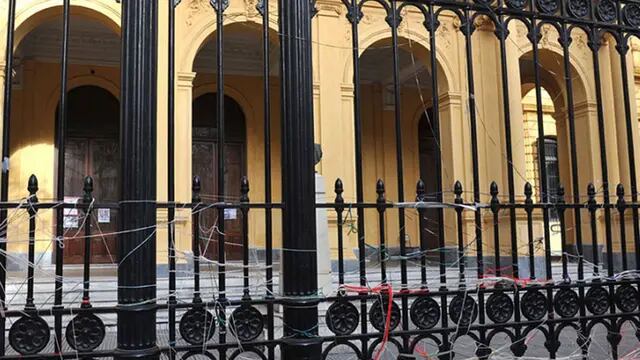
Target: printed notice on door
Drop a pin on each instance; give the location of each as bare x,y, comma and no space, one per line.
71,219
104,216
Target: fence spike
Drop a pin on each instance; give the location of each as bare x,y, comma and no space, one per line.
32,186
380,191
339,189
420,190
244,189
87,197
195,188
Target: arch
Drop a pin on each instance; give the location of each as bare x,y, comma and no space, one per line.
381,33
205,28
233,93
29,18
79,81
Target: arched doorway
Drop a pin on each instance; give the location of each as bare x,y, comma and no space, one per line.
205,164
429,173
92,148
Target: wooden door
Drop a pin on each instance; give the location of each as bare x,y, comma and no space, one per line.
99,158
428,146
205,165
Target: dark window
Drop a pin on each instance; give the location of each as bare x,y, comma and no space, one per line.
553,172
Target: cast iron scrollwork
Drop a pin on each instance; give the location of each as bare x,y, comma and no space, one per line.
29,335
566,303
631,14
425,312
597,300
627,298
342,318
499,307
606,10
247,323
533,305
85,332
463,310
197,326
516,4
378,314
579,8
548,6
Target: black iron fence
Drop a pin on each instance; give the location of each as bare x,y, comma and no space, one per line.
478,295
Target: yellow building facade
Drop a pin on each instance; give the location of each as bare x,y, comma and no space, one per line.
94,63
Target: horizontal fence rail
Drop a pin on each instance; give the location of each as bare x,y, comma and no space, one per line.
491,284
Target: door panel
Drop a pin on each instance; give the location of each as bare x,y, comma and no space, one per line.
205,165
99,158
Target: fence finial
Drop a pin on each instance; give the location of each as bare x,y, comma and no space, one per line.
493,190
195,189
591,193
528,193
420,190
457,190
244,189
32,186
87,197
380,191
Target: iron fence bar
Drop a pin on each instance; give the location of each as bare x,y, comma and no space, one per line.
32,199
460,230
621,207
60,146
382,246
339,189
623,48
432,25
268,197
395,21
219,7
354,15
87,200
528,192
137,263
6,148
299,268
467,30
171,212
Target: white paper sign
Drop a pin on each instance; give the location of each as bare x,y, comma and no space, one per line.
230,214
104,216
70,216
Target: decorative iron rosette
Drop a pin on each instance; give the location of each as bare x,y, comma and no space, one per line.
197,326
566,303
463,310
29,335
378,315
578,8
499,307
85,332
631,14
246,323
548,6
342,318
516,4
606,10
627,298
533,305
425,312
597,300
